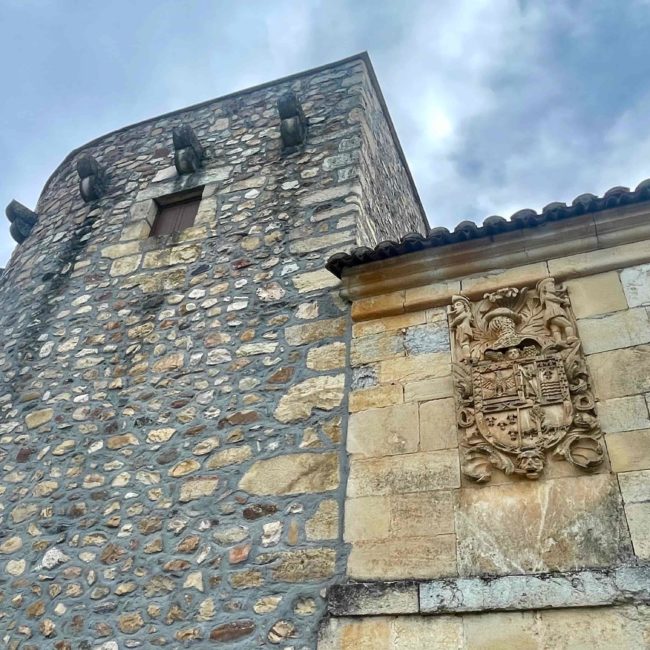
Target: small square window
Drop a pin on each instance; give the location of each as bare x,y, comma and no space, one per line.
175,213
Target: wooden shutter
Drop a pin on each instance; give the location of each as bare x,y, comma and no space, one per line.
175,217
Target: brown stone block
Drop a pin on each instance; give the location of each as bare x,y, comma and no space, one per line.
377,347
427,632
384,431
388,304
516,630
404,558
438,428
356,634
429,389
518,276
377,397
323,393
618,373
593,628
367,518
315,331
431,295
388,324
292,474
411,369
553,525
422,513
420,472
629,450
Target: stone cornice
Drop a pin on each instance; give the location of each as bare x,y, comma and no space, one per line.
584,245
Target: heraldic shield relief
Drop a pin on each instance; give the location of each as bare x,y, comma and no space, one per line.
521,383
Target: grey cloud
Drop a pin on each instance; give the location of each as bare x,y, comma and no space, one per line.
499,104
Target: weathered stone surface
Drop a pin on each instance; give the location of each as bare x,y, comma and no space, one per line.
373,598
197,488
304,565
621,329
636,284
553,525
385,431
635,486
409,557
316,331
422,514
589,588
323,393
325,522
38,418
232,631
292,474
596,294
419,472
623,414
619,373
327,357
638,521
376,347
411,369
377,397
438,428
232,456
629,450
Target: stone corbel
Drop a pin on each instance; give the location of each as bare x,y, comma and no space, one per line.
293,123
188,153
92,179
22,220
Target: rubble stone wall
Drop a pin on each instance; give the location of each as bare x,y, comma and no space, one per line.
173,408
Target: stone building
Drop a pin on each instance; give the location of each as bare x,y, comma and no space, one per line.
250,400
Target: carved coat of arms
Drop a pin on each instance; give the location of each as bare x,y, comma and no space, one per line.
522,387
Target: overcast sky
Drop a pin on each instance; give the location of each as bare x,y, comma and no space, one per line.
499,104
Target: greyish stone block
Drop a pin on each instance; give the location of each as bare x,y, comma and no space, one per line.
542,591
373,599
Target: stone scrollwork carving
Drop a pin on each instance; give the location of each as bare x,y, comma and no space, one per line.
293,123
92,179
188,153
521,383
22,220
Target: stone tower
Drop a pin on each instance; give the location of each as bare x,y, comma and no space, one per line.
173,394
248,400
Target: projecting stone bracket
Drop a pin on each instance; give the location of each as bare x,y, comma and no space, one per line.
188,153
588,588
22,220
92,179
293,123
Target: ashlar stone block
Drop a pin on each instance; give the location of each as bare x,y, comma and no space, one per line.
403,558
438,428
621,329
418,472
624,414
384,431
618,373
596,294
629,450
530,527
636,284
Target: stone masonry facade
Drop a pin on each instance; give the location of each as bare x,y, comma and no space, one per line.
209,440
173,407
